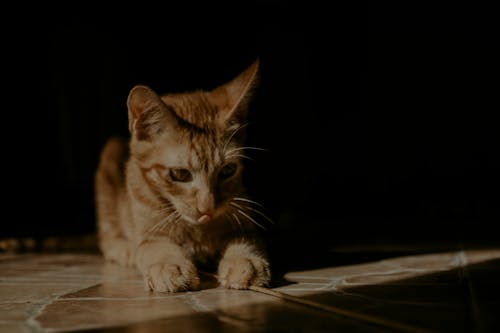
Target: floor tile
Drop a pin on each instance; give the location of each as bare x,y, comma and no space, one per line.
14,328
17,311
35,291
456,291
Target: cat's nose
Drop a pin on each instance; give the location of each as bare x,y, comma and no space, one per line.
208,212
205,206
205,216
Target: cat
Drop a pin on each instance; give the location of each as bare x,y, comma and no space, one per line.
171,197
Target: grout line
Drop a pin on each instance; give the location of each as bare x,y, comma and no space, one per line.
193,301
31,322
119,298
342,312
336,311
471,295
232,320
380,273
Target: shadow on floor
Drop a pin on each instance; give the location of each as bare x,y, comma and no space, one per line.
464,299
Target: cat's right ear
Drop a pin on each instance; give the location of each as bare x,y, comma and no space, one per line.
146,113
232,98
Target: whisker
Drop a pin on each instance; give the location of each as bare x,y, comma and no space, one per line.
246,148
236,205
156,227
161,224
254,210
171,220
168,208
164,209
237,219
248,200
261,214
240,155
173,223
232,135
153,229
250,219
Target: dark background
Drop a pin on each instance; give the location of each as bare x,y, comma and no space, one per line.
380,127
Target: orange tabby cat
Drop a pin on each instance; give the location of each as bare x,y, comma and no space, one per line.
172,197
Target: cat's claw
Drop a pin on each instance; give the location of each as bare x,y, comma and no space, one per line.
169,277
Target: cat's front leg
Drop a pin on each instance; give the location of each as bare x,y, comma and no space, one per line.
242,266
118,250
165,266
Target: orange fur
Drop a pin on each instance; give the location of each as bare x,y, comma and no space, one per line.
172,196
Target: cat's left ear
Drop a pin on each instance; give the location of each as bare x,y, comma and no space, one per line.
232,98
147,114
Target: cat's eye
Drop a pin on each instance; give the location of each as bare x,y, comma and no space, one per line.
228,170
180,175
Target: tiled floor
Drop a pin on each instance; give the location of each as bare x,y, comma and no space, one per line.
437,292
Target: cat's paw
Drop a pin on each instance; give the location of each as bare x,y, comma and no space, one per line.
243,272
171,277
121,252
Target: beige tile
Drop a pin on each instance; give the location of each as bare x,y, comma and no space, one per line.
220,299
96,272
446,277
19,272
46,266
389,269
8,256
303,289
84,292
13,328
325,275
481,256
65,259
430,262
378,278
86,314
340,300
52,260
17,311
64,269
35,292
129,290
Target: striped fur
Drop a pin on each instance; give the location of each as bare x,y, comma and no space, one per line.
165,227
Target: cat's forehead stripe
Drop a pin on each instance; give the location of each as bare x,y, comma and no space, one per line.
204,148
195,109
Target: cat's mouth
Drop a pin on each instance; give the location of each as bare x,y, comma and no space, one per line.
200,218
204,218
195,217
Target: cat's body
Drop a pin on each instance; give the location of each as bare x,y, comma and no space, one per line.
172,197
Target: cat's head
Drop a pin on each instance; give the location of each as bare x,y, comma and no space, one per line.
190,146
